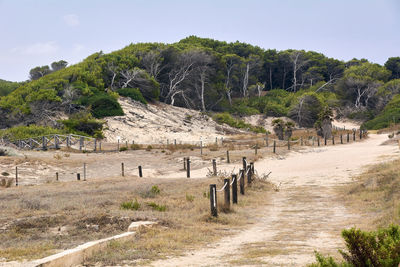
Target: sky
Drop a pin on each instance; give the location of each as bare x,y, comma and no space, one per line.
39,32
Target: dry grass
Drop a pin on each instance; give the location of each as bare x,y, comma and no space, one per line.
376,193
57,216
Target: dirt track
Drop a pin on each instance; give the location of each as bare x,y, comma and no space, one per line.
305,215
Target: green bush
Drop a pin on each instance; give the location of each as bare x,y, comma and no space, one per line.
389,115
23,132
376,248
124,148
104,106
84,124
235,123
133,93
130,205
157,207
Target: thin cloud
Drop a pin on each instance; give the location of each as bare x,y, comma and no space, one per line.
71,20
36,49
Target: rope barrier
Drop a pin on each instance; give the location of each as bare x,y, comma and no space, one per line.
233,180
222,187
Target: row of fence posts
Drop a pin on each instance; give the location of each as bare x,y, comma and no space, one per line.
231,185
318,141
78,175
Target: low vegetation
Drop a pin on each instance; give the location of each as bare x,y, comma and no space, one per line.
236,123
374,192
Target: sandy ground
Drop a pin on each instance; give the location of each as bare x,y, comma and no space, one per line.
305,215
155,124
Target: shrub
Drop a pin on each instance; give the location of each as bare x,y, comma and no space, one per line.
133,93
22,132
189,198
104,106
84,124
157,207
153,192
124,148
135,147
235,123
149,148
130,205
376,248
389,115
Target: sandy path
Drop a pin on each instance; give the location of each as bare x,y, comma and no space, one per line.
305,215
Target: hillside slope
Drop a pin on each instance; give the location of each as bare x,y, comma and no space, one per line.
157,123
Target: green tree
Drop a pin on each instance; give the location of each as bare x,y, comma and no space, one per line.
393,64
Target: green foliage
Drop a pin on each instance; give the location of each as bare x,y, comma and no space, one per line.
133,93
157,207
390,115
376,248
235,123
22,132
104,105
84,124
189,197
130,205
155,190
7,87
124,148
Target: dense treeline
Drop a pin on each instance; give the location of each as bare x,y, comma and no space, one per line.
211,75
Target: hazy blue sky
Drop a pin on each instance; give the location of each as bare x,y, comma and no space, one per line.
38,32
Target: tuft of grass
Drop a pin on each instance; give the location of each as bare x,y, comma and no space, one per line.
130,205
152,193
189,197
149,148
157,207
124,148
135,147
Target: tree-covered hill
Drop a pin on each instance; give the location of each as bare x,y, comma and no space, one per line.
209,75
7,87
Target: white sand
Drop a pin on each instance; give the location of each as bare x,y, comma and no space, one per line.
155,124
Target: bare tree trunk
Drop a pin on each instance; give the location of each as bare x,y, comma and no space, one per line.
270,78
246,80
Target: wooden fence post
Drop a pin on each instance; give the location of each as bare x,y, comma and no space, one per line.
348,137
341,138
227,194
227,157
68,141
84,171
56,142
360,134
175,142
188,167
214,163
56,176
95,144
122,169
184,164
288,144
318,141
266,140
249,175
81,143
118,145
213,200
354,135
274,146
234,189
78,176
333,140
44,143
216,140
255,149
244,164
241,184
201,147
140,171
16,176
325,140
